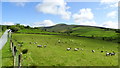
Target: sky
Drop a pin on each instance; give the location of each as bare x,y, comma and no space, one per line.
36,14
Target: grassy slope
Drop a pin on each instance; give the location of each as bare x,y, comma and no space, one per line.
7,59
55,53
35,31
60,28
89,31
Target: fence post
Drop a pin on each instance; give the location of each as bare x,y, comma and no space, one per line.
11,44
19,60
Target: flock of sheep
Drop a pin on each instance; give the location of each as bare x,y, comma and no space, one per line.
39,45
107,54
76,49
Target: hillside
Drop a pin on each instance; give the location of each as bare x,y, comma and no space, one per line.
85,31
72,30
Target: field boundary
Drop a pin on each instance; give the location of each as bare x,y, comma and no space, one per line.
98,38
16,56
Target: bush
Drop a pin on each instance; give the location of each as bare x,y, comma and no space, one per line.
14,28
24,51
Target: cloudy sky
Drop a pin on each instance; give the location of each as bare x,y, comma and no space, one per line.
47,13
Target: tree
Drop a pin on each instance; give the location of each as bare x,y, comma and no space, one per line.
14,28
28,27
4,28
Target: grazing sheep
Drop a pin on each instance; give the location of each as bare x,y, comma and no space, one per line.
58,41
93,51
108,54
45,46
20,45
68,49
35,43
112,54
76,49
39,45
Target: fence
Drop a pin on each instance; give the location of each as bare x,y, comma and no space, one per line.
16,56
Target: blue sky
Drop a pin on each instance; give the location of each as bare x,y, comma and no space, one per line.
38,14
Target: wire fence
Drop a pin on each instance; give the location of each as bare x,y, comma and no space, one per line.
16,55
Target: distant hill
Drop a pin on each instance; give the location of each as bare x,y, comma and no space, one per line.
84,31
73,30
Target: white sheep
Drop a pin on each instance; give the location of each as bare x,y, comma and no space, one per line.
108,54
39,45
76,49
93,51
112,54
45,46
68,49
35,43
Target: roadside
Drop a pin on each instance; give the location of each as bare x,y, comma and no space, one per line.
3,39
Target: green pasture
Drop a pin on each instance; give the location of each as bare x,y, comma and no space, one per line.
35,31
55,54
92,31
7,58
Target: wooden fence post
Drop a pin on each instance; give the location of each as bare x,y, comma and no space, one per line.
19,60
11,44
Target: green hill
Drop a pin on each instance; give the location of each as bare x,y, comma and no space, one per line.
85,31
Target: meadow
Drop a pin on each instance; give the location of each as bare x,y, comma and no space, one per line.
7,58
55,54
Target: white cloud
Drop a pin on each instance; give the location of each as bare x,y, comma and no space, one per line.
56,7
84,17
110,3
91,23
110,24
22,4
7,23
114,5
43,23
18,0
112,14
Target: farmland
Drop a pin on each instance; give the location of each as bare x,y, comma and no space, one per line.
55,53
58,38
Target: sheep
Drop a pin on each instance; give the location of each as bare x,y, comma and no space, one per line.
45,46
93,51
108,54
112,54
35,43
68,49
76,49
39,45
58,41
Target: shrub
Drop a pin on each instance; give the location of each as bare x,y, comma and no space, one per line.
24,51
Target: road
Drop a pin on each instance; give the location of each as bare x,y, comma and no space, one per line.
3,39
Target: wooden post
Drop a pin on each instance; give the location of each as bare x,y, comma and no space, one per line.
11,44
19,60
15,50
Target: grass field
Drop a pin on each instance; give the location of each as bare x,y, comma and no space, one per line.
7,59
35,31
55,53
97,32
